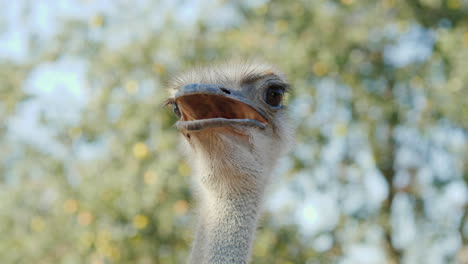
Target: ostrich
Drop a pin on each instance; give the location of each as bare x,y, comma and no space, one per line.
235,128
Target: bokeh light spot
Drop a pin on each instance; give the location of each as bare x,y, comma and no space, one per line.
309,213
114,253
183,169
140,150
86,240
261,10
320,69
150,177
131,87
389,3
181,207
37,224
340,129
140,221
75,132
347,2
85,218
97,260
454,4
70,206
97,21
159,68
281,25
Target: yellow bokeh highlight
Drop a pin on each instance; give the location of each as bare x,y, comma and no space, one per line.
455,84
159,68
140,221
75,132
281,25
37,224
347,2
131,87
104,249
107,249
97,260
114,253
248,41
104,245
416,81
340,129
262,10
183,169
97,21
389,3
181,207
70,206
149,177
140,150
465,39
85,218
320,69
86,239
103,236
454,4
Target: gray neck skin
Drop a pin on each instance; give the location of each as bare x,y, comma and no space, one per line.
226,225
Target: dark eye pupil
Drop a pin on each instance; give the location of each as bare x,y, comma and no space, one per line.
176,110
274,95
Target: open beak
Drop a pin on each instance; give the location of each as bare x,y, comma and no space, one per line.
208,106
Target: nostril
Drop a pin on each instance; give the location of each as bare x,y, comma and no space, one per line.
226,91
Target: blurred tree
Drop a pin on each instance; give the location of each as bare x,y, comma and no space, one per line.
89,168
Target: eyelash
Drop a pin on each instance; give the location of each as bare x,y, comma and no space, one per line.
282,86
169,102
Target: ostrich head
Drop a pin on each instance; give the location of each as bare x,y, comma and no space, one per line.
234,121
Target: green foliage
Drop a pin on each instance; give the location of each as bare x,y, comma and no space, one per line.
116,189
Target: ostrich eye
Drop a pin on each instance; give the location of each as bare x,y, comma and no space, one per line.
176,109
274,95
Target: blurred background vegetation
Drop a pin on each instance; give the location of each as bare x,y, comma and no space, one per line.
90,171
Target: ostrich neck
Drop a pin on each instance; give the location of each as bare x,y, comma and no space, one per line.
227,219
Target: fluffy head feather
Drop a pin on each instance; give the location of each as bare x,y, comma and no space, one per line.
227,73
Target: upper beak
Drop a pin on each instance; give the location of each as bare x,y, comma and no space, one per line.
210,105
